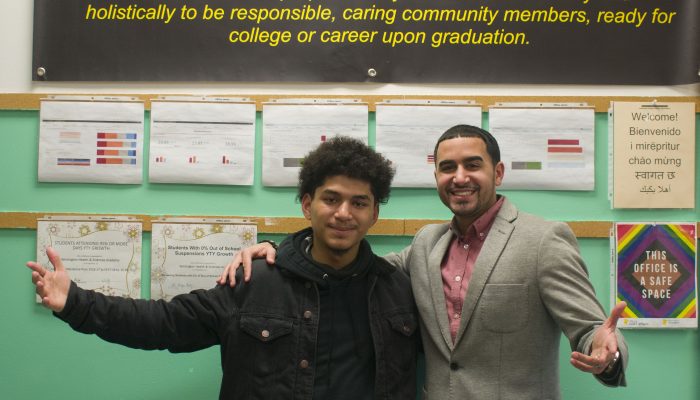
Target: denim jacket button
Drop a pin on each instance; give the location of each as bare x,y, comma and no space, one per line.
303,364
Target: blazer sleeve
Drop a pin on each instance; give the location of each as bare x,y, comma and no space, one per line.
569,296
400,259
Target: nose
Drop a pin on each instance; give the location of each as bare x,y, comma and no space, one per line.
343,210
461,176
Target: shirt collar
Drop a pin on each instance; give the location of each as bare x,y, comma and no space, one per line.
481,226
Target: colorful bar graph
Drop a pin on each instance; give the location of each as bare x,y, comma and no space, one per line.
103,143
560,149
116,161
124,153
531,165
83,162
559,142
292,162
123,136
69,137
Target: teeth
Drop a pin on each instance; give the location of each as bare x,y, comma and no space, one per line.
462,192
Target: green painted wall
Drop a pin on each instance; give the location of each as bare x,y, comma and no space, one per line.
41,357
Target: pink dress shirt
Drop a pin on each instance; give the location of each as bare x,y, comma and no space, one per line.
458,264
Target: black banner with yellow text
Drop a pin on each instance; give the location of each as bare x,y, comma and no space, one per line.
420,41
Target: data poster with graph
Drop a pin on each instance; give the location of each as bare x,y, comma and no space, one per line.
407,131
654,270
202,141
294,127
545,146
90,139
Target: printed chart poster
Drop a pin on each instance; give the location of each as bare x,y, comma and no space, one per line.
91,141
202,142
655,272
545,148
653,150
102,254
189,254
290,131
407,132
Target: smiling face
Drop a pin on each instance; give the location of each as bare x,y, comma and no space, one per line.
466,178
341,212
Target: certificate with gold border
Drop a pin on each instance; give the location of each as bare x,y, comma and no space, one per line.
190,253
99,253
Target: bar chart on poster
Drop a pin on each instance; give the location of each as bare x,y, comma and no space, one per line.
91,140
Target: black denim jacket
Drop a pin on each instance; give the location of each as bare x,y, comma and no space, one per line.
267,329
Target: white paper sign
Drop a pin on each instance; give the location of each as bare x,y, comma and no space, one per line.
653,150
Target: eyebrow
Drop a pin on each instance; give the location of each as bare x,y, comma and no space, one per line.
464,160
356,197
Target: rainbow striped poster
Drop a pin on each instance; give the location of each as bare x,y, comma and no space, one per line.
654,270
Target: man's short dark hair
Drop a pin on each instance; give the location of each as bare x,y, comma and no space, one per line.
349,157
464,131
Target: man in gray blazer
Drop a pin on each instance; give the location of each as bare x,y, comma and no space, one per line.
496,286
491,324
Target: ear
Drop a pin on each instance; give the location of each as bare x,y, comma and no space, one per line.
499,172
306,206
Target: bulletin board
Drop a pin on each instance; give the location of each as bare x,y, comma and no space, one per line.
36,344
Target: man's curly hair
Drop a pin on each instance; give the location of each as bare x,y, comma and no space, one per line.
349,157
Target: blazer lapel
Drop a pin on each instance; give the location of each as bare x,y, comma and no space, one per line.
496,241
436,287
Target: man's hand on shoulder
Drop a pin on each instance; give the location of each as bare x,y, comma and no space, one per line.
264,249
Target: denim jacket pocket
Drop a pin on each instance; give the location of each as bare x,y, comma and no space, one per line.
268,345
265,328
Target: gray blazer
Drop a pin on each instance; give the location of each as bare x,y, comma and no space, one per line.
529,284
